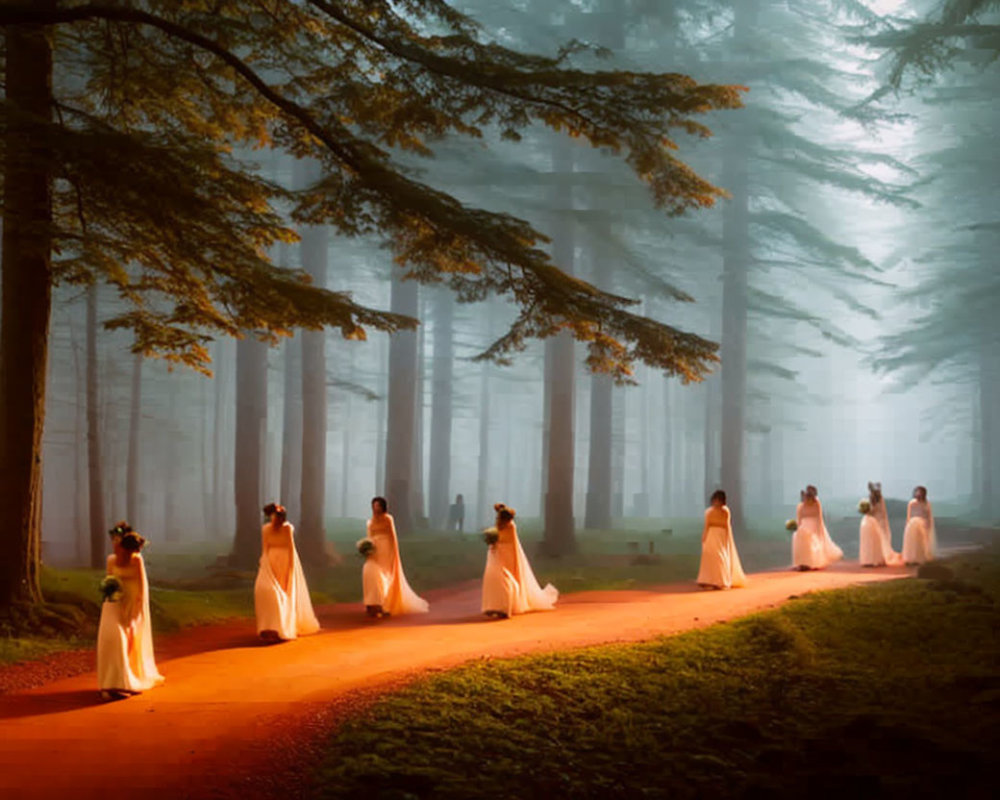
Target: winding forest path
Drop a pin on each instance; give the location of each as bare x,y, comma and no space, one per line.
239,719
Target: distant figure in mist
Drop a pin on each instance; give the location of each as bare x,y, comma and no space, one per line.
280,595
125,663
509,585
720,563
873,550
812,547
919,538
386,590
456,514
879,511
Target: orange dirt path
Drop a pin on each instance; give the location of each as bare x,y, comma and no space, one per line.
231,706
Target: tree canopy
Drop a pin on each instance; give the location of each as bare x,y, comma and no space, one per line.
160,105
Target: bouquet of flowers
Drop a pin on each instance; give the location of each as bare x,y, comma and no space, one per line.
864,506
491,536
791,526
366,547
111,589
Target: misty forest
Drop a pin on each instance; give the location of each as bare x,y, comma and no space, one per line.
593,260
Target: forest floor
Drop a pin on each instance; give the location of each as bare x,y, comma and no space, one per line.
236,718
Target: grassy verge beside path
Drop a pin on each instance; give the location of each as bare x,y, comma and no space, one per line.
883,691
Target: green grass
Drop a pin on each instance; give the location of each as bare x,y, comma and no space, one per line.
884,691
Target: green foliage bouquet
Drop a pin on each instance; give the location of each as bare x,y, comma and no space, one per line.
366,548
864,506
111,589
491,536
791,526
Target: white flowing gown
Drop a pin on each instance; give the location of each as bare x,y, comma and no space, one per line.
873,550
720,563
812,546
881,515
124,638
287,613
382,576
919,538
509,585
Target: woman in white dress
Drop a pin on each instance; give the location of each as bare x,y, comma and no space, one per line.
919,538
125,663
386,589
281,598
509,585
720,563
812,547
881,514
873,550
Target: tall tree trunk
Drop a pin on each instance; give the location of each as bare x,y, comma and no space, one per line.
220,460
618,434
598,512
26,306
711,437
170,432
251,422
668,409
94,464
483,504
441,409
381,414
312,535
989,433
80,458
291,426
401,407
417,474
560,536
736,263
134,434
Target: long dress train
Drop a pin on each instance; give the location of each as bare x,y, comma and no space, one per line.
382,576
509,585
720,563
873,549
919,538
289,614
881,514
812,546
125,659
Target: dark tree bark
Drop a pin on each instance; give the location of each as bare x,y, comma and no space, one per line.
560,535
312,531
441,409
134,434
251,421
26,306
95,466
402,401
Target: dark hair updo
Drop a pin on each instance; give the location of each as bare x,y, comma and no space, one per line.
275,508
382,503
875,492
811,491
921,493
120,529
504,513
719,495
132,542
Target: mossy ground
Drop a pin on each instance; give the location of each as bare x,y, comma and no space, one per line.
890,690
